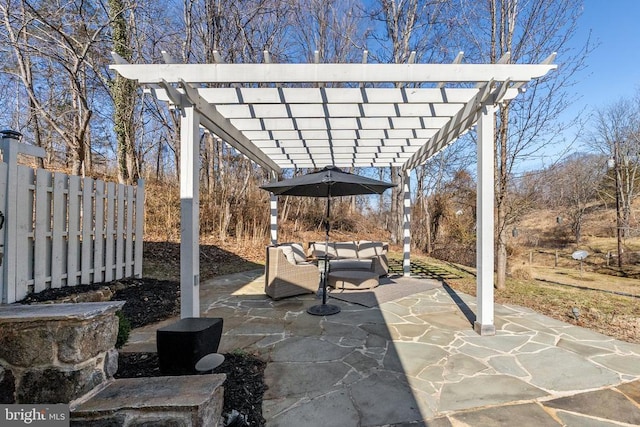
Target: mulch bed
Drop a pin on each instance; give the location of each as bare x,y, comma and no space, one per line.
149,301
243,388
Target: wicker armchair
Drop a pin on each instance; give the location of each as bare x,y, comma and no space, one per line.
284,278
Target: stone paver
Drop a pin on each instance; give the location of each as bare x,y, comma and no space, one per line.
417,361
612,405
529,414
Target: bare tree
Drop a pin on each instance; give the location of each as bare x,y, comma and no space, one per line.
65,44
511,31
410,26
578,180
616,134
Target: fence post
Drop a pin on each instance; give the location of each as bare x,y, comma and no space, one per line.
11,146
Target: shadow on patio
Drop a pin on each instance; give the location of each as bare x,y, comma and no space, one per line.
417,361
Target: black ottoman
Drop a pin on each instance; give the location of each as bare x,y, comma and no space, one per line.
183,343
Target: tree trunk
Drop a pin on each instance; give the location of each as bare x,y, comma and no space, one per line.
501,200
124,98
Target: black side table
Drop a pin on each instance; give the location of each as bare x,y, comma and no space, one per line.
183,343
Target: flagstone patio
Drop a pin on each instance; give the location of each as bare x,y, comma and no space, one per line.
417,361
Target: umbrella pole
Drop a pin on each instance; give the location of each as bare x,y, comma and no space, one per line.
325,309
327,225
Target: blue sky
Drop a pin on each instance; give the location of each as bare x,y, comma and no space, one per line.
612,72
613,69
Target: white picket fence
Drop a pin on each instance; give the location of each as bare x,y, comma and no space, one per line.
63,230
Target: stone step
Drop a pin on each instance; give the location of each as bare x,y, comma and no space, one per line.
189,400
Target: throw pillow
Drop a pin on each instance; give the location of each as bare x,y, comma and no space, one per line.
288,252
298,253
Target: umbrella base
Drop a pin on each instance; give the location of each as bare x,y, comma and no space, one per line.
323,309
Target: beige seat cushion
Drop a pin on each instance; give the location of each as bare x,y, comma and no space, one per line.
294,252
317,250
367,249
288,252
350,264
298,253
346,249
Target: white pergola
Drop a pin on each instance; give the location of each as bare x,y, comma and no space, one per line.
293,116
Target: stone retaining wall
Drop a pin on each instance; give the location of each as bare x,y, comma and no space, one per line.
55,353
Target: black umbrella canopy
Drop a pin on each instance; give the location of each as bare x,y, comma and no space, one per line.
328,182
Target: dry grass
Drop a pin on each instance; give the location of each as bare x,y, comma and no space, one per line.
610,314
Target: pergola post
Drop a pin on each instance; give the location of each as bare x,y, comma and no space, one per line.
274,219
274,214
484,324
189,213
406,259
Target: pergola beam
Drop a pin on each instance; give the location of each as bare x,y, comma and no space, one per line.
454,128
218,124
334,73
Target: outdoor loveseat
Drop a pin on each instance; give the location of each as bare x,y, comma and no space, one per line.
353,255
288,273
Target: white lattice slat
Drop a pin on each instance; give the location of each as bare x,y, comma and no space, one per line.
3,203
42,230
139,213
73,230
86,260
120,233
58,229
98,254
109,234
128,263
24,215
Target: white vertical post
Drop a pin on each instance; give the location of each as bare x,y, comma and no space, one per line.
9,262
189,213
137,268
73,229
109,232
86,248
128,249
98,255
406,260
120,188
57,233
274,214
11,146
41,229
484,324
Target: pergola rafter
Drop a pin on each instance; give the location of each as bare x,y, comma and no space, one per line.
284,116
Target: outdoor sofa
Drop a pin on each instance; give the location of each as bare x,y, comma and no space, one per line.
353,255
288,273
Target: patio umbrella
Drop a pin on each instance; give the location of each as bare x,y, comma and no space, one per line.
328,182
